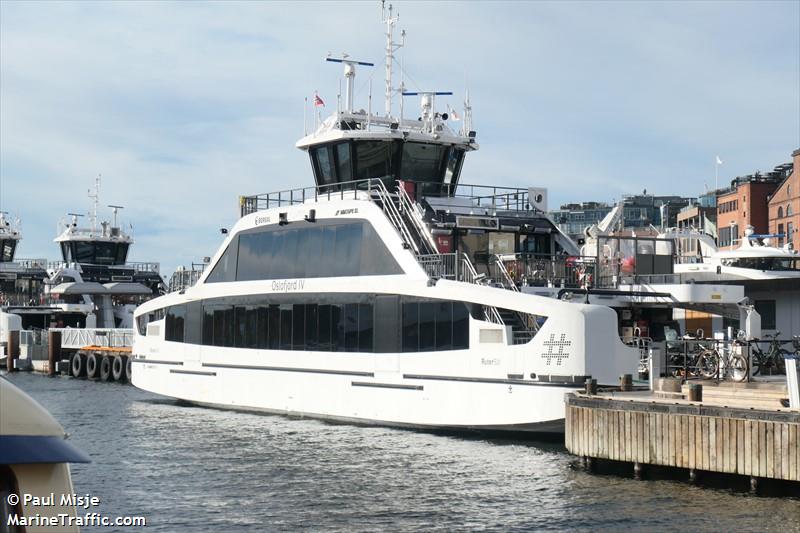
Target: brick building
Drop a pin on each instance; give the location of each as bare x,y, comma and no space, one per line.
745,204
784,205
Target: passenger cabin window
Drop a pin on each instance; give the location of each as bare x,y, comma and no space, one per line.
146,318
332,323
313,250
174,325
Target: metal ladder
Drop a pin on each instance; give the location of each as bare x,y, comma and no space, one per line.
379,194
413,215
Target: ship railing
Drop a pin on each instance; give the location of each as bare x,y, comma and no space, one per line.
533,269
486,196
26,299
458,267
76,338
370,189
644,345
346,190
184,278
148,266
29,264
144,266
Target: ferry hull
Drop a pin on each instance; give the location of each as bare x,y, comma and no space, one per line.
426,402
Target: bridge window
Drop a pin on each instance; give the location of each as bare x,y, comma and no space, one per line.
422,162
95,253
375,159
7,250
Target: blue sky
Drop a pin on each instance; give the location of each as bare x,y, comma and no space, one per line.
182,107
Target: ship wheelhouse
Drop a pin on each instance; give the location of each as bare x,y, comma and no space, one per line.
433,168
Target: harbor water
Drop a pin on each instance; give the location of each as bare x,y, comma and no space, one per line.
188,468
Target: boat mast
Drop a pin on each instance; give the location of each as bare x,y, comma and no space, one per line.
391,47
95,197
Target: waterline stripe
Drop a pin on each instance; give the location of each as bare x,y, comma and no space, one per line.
292,369
155,361
193,372
493,381
385,385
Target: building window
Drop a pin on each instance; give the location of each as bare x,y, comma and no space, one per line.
780,211
766,308
789,210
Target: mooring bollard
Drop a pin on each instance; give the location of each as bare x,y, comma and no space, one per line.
626,382
591,386
13,350
695,392
53,351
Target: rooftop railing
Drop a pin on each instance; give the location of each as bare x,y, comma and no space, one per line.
488,196
136,266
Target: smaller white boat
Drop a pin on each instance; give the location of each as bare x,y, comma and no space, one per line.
754,259
35,481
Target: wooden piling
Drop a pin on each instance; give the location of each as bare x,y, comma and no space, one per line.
53,351
13,350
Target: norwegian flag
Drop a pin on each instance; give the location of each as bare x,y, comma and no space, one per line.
318,101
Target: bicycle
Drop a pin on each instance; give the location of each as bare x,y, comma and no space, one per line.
772,360
711,363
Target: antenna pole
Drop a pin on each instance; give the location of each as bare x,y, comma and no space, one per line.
305,113
391,46
95,197
369,104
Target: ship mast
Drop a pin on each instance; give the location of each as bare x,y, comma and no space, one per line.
391,47
95,197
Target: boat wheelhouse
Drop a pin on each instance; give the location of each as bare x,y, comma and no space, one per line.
367,297
21,280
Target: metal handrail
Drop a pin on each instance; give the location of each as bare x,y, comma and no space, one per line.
408,206
509,281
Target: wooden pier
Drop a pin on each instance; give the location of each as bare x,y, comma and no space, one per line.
720,435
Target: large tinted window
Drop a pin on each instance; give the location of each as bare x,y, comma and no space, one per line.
95,253
342,322
225,269
310,251
7,249
375,159
434,325
422,162
174,327
323,164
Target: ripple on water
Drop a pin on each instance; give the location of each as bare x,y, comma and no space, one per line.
195,469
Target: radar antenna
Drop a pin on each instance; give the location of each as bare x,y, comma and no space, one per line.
350,76
116,208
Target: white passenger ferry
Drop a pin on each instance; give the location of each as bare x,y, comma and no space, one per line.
369,298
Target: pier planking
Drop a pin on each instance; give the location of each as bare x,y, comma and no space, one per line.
748,442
